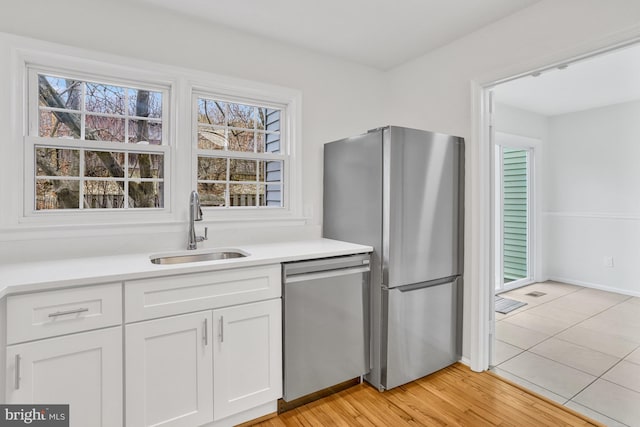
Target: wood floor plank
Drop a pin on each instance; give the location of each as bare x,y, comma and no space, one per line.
454,396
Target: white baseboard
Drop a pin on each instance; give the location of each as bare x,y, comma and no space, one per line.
594,286
465,361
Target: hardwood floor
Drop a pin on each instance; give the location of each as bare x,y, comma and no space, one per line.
454,396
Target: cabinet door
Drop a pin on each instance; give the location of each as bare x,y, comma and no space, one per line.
247,367
169,379
83,370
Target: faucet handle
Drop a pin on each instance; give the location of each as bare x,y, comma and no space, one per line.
205,237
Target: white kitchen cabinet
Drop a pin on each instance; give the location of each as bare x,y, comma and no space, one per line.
83,370
169,378
69,345
247,360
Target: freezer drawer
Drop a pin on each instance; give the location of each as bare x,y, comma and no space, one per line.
423,331
324,328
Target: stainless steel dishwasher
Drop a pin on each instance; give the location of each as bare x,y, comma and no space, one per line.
325,305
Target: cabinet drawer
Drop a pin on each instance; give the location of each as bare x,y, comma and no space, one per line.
166,296
51,313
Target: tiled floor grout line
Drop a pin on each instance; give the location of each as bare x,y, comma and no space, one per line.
598,412
555,335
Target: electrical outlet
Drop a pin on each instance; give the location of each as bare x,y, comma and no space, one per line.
608,261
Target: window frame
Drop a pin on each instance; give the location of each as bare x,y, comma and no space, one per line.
252,93
17,222
283,156
32,139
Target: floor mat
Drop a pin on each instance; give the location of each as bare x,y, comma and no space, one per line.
505,305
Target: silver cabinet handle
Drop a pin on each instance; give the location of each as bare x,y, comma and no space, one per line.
221,328
62,313
17,378
205,332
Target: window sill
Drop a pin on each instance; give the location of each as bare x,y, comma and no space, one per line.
32,231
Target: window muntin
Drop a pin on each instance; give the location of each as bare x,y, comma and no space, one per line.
96,145
238,154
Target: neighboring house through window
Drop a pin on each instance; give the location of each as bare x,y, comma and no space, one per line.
238,150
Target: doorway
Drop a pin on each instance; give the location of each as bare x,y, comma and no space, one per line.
563,342
514,219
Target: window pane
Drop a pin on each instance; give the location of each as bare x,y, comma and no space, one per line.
242,170
57,162
241,116
104,128
242,194
272,122
241,141
271,195
146,194
104,164
259,142
212,194
104,178
261,118
211,139
239,127
59,93
144,165
59,124
212,112
272,143
144,103
106,99
212,169
145,131
57,194
103,194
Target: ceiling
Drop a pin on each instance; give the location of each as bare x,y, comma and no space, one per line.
607,79
377,33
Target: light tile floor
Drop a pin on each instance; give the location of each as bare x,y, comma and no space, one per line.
577,346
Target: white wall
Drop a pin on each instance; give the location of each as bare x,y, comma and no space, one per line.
338,99
520,122
593,198
434,91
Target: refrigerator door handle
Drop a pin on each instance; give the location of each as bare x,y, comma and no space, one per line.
415,286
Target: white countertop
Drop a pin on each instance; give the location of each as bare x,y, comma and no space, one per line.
43,275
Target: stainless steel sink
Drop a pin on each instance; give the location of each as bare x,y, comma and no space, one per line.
207,256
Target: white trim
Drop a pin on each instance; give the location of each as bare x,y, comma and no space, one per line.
593,215
481,259
592,285
480,211
180,81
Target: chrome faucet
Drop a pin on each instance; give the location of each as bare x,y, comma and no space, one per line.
195,214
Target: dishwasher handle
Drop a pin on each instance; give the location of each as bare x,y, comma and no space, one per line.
325,274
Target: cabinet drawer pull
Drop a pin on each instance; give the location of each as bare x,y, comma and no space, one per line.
63,313
17,378
205,332
221,328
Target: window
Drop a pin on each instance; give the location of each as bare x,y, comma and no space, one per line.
98,144
240,154
95,144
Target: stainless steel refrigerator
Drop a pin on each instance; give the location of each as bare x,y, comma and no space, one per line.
401,191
